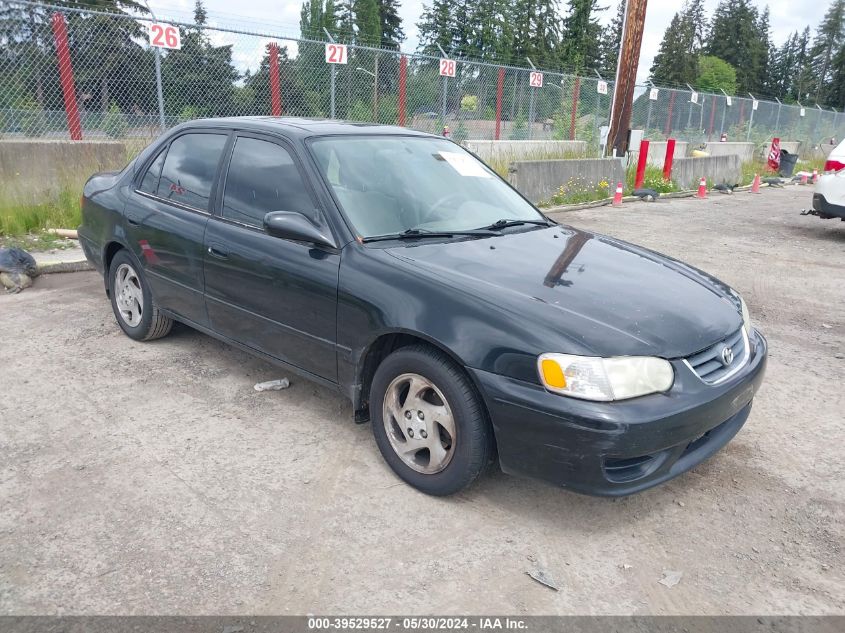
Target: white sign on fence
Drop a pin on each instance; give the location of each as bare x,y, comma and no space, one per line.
693,97
336,53
165,35
601,87
447,67
755,104
535,79
803,112
728,100
652,94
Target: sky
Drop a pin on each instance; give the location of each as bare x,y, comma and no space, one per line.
282,17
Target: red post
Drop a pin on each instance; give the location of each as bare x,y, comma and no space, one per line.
668,127
403,86
500,88
641,163
275,88
670,157
575,92
66,76
712,115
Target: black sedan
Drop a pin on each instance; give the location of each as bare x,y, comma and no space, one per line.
397,268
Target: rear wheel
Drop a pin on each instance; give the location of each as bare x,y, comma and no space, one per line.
134,308
428,420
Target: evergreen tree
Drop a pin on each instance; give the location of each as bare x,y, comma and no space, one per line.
435,27
675,64
390,22
611,41
735,37
367,22
829,39
581,34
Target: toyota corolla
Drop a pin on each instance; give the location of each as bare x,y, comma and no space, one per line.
398,269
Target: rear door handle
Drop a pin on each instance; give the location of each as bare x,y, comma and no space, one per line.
218,251
133,219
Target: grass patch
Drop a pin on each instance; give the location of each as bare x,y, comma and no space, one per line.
653,180
578,191
18,218
500,164
41,241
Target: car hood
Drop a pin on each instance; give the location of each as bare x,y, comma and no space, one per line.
606,296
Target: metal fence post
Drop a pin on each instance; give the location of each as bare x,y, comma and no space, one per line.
403,87
333,77
66,76
500,88
751,118
712,118
275,88
575,92
724,112
668,128
777,119
159,89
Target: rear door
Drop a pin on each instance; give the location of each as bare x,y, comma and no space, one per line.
272,294
166,217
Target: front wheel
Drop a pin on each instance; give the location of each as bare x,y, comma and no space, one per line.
134,308
429,422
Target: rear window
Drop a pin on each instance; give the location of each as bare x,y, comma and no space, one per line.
190,167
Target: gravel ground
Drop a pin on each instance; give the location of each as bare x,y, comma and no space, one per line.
152,479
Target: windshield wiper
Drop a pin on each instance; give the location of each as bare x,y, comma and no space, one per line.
505,223
413,234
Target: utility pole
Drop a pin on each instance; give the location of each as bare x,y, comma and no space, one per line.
626,75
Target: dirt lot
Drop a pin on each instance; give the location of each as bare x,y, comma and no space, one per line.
151,478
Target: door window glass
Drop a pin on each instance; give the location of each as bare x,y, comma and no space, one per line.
189,169
262,178
149,183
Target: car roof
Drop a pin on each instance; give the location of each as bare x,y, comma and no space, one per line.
302,127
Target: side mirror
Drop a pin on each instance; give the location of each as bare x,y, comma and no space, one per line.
292,225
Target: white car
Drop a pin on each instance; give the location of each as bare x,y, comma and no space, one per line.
829,196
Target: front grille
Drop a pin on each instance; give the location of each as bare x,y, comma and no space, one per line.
708,364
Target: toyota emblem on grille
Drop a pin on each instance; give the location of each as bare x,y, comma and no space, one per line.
727,355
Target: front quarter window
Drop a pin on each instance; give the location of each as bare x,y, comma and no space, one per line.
392,184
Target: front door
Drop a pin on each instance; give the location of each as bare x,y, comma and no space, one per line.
274,295
166,218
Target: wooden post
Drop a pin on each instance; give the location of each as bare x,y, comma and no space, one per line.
668,128
275,83
66,76
626,76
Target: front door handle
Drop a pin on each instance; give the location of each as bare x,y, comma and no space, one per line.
218,251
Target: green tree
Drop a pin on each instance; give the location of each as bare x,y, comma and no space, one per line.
736,37
715,74
392,34
675,64
367,22
829,39
580,48
611,41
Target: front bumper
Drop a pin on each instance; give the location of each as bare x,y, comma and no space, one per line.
618,448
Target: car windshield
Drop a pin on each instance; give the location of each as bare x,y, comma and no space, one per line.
395,184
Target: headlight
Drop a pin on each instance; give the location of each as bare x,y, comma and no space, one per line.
604,379
746,317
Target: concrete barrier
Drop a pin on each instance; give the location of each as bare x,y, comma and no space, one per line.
686,172
657,152
524,150
745,151
537,180
35,171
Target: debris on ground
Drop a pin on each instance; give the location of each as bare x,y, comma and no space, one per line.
647,195
273,385
69,234
17,269
543,578
671,578
725,188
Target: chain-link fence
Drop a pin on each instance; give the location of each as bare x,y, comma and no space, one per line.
69,72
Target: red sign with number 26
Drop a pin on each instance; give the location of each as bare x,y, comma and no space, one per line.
165,35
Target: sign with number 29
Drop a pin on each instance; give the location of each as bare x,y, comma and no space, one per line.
165,35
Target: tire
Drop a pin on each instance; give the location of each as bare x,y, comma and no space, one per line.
134,308
447,401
